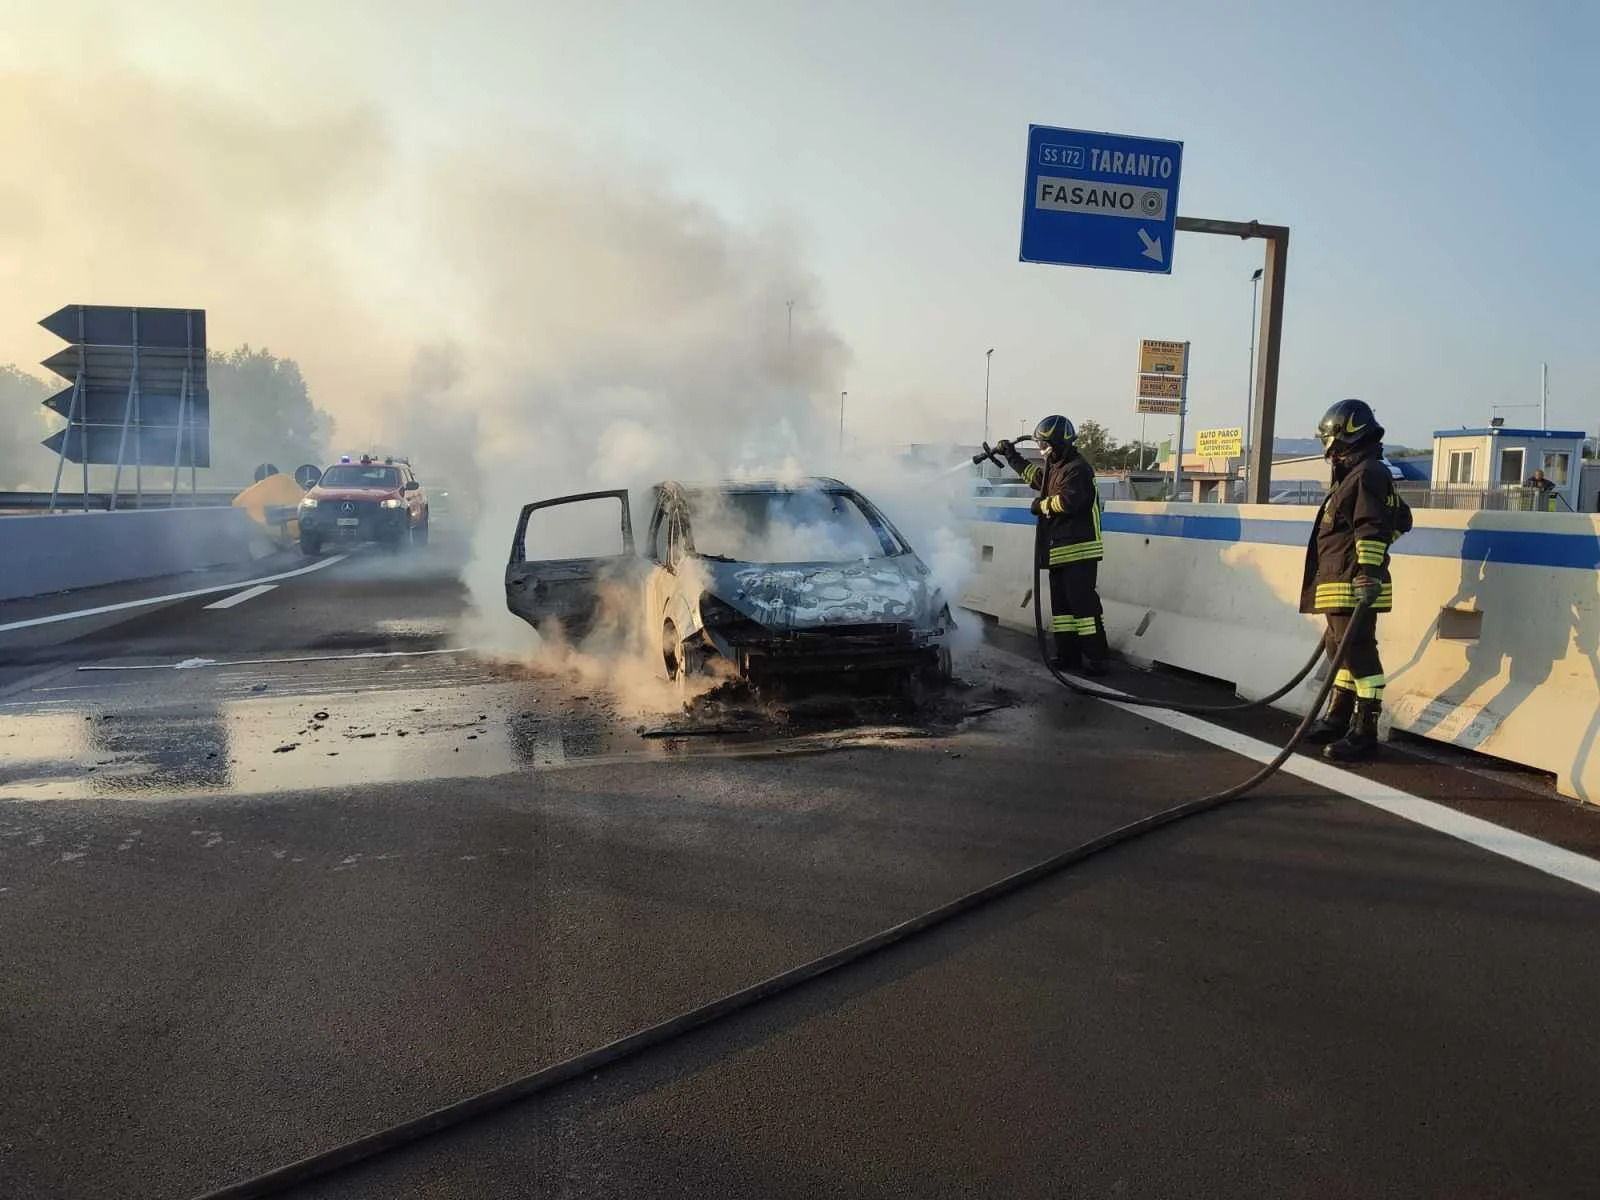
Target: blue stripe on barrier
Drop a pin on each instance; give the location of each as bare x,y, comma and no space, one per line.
1577,551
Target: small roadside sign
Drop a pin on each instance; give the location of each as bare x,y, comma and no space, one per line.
1160,387
1162,358
1219,443
1158,408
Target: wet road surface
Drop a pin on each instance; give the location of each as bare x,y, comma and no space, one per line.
251,909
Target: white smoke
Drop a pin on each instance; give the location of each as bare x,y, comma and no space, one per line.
522,321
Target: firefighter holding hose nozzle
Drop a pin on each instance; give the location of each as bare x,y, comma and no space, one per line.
1347,560
1068,506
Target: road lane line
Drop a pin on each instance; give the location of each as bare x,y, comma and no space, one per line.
260,589
272,662
1575,868
170,598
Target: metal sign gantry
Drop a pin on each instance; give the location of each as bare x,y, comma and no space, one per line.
138,393
1110,201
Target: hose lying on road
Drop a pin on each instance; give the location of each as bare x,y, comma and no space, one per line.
384,1141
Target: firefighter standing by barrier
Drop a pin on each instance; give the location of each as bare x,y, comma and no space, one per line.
1347,559
1069,506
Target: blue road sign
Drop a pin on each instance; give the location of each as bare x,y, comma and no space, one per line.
1100,200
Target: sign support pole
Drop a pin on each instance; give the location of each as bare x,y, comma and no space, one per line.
1183,411
138,421
127,415
1274,269
194,470
177,455
80,384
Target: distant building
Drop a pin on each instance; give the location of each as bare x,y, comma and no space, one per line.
1492,466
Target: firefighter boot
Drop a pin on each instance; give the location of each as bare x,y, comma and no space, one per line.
1361,743
1095,650
1068,655
1335,723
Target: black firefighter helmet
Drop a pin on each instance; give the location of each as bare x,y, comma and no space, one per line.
1054,434
1347,426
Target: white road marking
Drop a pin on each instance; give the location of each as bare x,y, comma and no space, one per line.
1496,839
54,618
272,662
260,589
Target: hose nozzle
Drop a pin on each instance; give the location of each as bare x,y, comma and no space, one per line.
990,454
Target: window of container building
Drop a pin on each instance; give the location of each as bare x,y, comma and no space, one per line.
1461,466
1511,466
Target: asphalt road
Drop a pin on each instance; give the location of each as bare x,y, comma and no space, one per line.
291,891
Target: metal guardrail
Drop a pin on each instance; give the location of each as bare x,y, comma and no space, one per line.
126,501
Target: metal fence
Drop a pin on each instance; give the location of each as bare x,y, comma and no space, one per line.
1504,499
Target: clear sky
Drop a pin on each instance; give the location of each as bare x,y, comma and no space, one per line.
1436,163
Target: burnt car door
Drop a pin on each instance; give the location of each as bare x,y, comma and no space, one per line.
566,551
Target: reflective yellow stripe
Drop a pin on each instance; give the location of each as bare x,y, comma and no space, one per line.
1084,626
1369,553
1097,518
1052,505
1335,597
1030,475
1077,552
1344,680
1369,687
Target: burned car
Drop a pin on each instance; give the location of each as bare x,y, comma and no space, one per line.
778,579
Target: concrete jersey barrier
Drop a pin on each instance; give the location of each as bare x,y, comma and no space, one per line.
1493,645
62,551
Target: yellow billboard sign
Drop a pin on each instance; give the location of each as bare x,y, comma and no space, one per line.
1219,443
1163,358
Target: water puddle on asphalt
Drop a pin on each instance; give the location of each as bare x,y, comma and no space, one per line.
227,743
270,744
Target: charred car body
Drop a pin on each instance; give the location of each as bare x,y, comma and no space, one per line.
365,501
778,579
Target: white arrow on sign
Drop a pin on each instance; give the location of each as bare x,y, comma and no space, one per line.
1152,247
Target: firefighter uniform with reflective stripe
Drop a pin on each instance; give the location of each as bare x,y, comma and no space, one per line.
1351,538
1069,509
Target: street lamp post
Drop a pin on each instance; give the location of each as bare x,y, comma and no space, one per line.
842,395
987,355
1250,380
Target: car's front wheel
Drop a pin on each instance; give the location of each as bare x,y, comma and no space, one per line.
310,545
684,663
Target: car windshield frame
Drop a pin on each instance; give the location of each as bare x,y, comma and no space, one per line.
392,474
696,502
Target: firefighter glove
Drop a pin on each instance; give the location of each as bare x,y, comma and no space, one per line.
1004,448
1367,588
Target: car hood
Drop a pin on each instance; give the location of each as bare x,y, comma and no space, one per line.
814,595
331,495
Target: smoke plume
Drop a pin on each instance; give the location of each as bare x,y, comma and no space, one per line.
520,319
